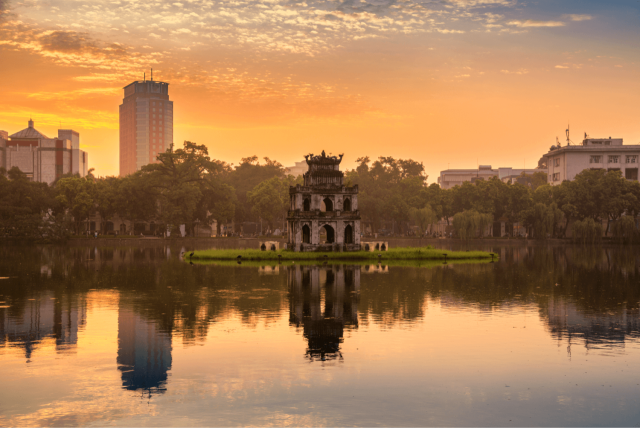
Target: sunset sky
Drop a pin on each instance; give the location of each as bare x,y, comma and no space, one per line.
449,83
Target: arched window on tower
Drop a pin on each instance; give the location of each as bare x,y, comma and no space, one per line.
348,235
306,205
328,204
306,234
346,206
329,233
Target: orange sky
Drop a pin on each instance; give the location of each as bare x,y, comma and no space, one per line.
448,83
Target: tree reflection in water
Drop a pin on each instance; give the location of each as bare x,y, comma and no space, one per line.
586,296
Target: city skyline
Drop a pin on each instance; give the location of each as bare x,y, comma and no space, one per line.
449,84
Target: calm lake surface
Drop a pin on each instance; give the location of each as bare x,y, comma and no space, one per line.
548,335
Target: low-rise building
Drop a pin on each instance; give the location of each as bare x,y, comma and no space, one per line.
455,177
42,158
564,163
298,169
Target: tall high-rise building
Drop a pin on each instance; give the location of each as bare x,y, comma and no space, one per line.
146,124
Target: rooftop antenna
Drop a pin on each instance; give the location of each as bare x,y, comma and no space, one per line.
152,74
568,139
145,76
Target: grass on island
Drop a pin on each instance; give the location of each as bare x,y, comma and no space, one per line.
285,263
401,253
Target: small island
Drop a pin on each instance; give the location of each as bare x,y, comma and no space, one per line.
324,203
402,253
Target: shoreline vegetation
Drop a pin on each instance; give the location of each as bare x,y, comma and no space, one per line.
316,262
401,253
186,187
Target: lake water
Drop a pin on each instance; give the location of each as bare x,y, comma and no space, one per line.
548,335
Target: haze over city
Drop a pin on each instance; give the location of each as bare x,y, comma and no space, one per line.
447,83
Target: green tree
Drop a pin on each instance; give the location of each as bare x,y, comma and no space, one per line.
135,200
26,207
589,194
178,181
423,217
619,197
105,197
245,177
76,195
270,199
218,203
624,229
587,231
542,219
468,224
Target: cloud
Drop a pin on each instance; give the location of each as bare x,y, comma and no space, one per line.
579,17
66,41
75,49
530,23
476,3
102,77
521,71
78,93
561,66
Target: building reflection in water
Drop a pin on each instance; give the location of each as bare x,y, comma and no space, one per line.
144,352
324,301
31,321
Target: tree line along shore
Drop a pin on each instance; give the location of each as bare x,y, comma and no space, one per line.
186,187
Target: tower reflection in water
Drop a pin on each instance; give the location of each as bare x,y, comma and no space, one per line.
324,301
144,352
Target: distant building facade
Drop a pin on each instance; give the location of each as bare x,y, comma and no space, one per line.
146,124
42,158
455,177
564,163
298,169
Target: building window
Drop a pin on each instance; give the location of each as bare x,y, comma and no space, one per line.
556,162
631,174
556,176
632,159
595,159
614,159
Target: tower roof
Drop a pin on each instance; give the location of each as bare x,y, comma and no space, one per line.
323,159
29,132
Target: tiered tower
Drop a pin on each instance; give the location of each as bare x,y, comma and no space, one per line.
323,202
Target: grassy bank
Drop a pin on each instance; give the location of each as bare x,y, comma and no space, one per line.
405,253
274,263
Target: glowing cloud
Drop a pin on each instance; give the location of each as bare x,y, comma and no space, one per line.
535,24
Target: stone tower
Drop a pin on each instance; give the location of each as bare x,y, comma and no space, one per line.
323,202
